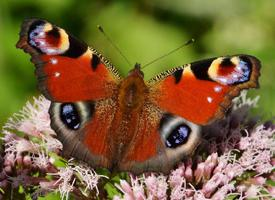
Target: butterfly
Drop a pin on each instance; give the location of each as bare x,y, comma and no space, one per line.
129,124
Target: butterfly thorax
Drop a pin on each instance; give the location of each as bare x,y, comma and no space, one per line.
132,91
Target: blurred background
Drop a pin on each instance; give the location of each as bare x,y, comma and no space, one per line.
143,30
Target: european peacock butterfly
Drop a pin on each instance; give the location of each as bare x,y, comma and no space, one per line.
129,124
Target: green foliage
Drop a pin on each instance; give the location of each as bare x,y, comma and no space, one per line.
232,197
58,160
51,196
270,182
111,190
110,185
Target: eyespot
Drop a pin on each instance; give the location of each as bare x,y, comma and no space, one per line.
179,135
231,70
48,39
69,115
69,121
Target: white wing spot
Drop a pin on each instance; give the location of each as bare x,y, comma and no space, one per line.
217,88
209,99
53,61
56,74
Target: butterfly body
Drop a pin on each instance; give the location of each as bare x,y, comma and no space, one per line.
129,124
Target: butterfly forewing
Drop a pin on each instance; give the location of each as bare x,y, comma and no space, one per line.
202,91
67,69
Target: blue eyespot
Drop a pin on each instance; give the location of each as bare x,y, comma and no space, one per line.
70,116
178,136
245,72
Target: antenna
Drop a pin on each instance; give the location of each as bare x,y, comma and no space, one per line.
170,52
113,44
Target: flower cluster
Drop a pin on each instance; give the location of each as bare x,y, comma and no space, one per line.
235,160
31,158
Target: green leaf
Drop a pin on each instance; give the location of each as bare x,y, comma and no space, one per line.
51,196
123,175
111,190
103,171
28,196
21,189
231,197
270,182
58,160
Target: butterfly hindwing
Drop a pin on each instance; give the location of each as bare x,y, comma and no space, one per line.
203,91
67,69
160,141
83,128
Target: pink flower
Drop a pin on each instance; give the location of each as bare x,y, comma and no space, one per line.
156,187
258,149
33,119
126,189
65,182
88,176
223,192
